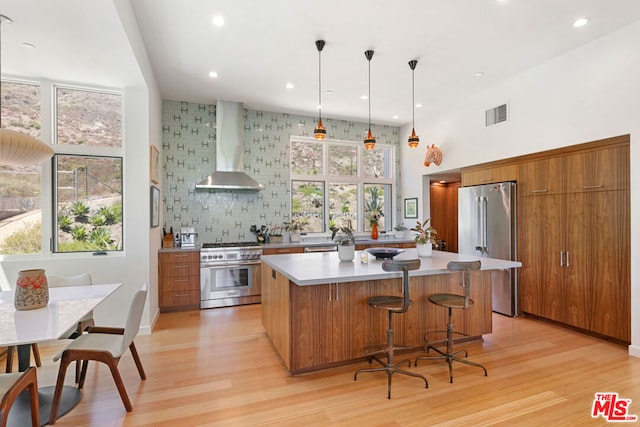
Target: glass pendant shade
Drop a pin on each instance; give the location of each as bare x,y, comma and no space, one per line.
370,141
320,131
16,148
414,140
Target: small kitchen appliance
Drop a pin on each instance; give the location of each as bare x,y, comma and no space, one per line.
187,237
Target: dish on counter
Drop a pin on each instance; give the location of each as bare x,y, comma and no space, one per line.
384,253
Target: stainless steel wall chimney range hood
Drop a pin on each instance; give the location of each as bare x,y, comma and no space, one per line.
229,151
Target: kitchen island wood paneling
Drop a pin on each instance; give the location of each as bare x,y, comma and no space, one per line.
314,307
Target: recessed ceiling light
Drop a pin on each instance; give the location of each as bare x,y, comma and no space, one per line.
479,74
218,20
328,91
29,45
580,22
213,74
418,105
395,117
289,85
364,97
318,107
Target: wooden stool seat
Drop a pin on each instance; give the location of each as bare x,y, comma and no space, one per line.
450,301
394,305
387,302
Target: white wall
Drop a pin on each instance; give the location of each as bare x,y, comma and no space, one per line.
587,94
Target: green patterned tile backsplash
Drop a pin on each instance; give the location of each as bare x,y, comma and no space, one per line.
188,156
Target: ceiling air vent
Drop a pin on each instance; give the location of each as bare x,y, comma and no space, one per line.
496,115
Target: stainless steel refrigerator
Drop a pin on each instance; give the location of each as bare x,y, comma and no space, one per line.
487,228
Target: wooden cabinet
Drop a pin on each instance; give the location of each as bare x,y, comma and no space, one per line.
488,175
179,280
574,240
317,326
405,245
284,250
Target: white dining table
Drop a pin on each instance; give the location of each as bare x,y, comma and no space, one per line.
21,328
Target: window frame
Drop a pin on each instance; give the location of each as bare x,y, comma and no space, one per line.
48,135
358,179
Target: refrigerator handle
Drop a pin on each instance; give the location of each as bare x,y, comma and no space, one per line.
485,206
478,224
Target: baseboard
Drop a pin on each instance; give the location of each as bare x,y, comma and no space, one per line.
634,351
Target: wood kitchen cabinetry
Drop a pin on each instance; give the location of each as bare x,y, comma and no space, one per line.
488,175
179,280
574,240
317,326
284,250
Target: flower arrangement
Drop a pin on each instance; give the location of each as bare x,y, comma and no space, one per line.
296,225
426,234
343,235
374,206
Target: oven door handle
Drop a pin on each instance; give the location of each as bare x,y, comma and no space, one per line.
232,264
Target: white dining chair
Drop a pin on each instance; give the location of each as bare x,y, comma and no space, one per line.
11,386
106,345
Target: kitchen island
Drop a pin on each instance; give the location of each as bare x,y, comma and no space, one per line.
315,311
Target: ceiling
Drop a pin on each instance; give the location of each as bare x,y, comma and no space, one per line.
265,44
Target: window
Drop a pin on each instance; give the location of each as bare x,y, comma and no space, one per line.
358,182
86,188
88,118
88,203
20,187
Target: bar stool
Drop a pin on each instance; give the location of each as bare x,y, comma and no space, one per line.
393,305
451,301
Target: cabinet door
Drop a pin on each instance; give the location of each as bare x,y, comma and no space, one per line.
542,177
609,242
349,307
311,326
598,170
541,276
577,260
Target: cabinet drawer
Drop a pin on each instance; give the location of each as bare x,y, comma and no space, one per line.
175,300
180,257
278,251
174,284
182,269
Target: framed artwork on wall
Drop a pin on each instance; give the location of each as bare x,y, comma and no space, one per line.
411,208
155,206
155,165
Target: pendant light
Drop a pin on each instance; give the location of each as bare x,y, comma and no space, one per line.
370,141
413,139
320,131
16,148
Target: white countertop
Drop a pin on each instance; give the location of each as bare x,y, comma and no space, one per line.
325,267
66,305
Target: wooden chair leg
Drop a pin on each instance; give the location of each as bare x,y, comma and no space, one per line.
9,366
83,373
35,401
136,358
55,403
36,354
115,373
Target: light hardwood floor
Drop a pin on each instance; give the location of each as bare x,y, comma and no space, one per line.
217,367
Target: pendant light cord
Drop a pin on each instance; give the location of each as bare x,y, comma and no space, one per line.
369,95
319,84
413,97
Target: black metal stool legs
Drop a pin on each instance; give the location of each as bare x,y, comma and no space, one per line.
449,356
389,366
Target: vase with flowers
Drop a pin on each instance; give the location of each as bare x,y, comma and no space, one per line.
343,236
425,239
374,209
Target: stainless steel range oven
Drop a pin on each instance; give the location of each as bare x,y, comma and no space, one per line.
229,274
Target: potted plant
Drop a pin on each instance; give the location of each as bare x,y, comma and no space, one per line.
275,234
425,239
343,236
399,230
295,227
